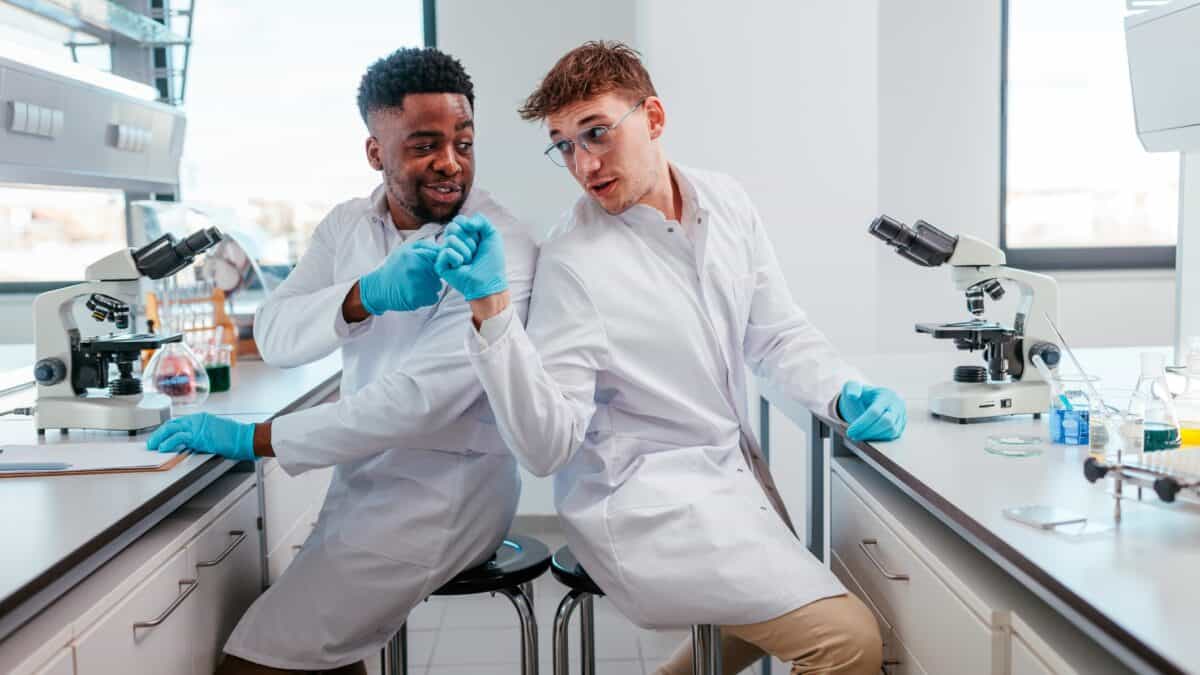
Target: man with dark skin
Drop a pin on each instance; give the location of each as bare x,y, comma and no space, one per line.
423,486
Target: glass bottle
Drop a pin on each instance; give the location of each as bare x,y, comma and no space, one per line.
1159,422
175,370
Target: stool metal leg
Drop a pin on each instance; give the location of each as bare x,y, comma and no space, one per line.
562,621
587,636
528,588
394,657
706,650
524,607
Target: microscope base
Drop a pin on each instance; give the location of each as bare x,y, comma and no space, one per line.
971,402
117,413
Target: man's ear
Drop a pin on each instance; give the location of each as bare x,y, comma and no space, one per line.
656,116
374,153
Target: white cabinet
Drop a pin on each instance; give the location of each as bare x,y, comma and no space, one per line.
150,631
1031,654
293,504
1024,661
225,557
62,664
934,624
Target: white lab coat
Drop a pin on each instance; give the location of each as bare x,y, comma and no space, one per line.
630,383
423,485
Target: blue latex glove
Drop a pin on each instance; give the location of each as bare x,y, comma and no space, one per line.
474,269
873,413
405,281
207,433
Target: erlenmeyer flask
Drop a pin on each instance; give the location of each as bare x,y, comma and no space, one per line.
1159,421
175,370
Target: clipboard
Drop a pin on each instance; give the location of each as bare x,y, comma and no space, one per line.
90,458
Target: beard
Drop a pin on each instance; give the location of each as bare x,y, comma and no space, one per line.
407,194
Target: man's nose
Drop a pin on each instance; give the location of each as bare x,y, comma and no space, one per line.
446,163
585,163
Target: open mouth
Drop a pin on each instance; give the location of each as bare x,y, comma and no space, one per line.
442,193
602,188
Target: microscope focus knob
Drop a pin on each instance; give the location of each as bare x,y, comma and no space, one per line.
1049,352
49,371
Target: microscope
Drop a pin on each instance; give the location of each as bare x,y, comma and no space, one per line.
74,387
1009,384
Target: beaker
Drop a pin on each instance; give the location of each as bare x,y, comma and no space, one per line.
175,370
1070,409
1113,428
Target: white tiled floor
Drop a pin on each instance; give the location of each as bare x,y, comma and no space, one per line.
478,635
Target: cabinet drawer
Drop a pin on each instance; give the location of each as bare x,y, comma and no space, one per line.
897,660
279,559
150,631
925,615
287,500
62,664
1032,655
225,558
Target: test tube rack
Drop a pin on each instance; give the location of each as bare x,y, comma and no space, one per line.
1168,472
197,326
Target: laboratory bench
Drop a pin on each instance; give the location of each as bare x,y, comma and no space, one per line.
102,572
915,527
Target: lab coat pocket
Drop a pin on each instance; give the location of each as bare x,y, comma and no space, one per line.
403,504
683,562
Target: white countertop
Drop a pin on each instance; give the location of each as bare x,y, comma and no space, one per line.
55,518
1140,575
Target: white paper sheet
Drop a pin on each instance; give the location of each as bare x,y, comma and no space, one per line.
91,456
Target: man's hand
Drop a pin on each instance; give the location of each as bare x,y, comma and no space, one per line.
205,433
405,281
472,258
873,413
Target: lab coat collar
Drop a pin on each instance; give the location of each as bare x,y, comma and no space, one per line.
641,215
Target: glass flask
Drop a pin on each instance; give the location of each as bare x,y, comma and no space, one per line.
1187,403
1154,406
175,370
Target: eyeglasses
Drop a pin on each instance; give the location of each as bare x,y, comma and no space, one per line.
596,140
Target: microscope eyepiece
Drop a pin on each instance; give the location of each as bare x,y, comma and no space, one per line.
925,244
166,255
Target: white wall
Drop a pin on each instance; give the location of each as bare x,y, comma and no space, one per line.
507,47
939,159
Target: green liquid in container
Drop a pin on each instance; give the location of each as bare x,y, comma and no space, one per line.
219,380
1158,436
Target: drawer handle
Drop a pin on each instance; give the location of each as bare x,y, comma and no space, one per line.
886,574
191,584
239,535
297,547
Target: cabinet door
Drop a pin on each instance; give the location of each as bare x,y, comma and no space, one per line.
225,558
62,664
1024,661
150,631
925,615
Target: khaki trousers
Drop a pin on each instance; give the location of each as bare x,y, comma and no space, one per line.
833,636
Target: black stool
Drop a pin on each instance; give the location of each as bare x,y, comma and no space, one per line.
706,640
510,572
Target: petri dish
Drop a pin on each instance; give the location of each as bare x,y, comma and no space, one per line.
1014,445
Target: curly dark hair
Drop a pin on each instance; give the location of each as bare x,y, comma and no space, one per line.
411,70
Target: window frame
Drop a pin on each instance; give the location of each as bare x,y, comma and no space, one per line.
18,288
1062,258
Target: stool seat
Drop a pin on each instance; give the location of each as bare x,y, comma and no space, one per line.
566,568
518,560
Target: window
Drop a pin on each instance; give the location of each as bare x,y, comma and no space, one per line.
1079,190
53,234
273,127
